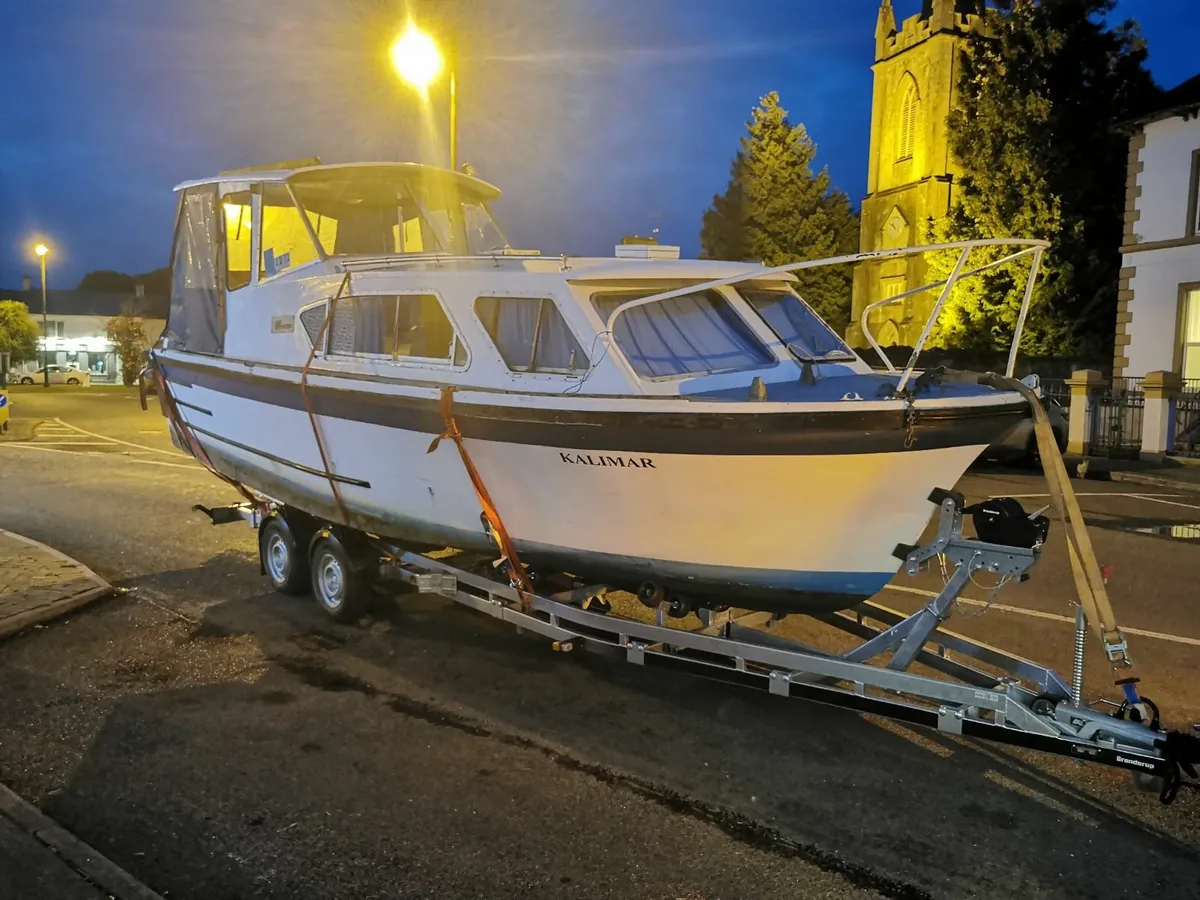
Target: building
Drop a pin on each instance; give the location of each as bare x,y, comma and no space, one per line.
75,323
911,173
1158,317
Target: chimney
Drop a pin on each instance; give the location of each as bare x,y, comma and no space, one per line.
26,283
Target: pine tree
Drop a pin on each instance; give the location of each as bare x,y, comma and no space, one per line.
1041,88
777,211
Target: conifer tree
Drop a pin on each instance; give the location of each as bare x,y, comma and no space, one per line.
1041,89
776,210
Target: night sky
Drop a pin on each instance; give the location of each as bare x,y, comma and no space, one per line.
596,117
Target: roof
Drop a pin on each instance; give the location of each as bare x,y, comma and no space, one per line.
88,303
273,175
1181,100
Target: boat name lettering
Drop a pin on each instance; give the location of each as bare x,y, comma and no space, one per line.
619,462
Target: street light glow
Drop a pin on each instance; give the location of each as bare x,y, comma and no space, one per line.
416,58
41,249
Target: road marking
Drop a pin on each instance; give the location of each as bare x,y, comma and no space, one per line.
26,445
1154,499
1053,617
126,443
1087,494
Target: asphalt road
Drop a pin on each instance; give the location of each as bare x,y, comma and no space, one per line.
220,741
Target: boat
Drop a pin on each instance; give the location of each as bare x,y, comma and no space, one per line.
686,429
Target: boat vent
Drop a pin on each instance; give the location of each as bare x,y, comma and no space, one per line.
647,251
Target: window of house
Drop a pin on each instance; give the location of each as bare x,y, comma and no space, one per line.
693,334
387,327
531,334
238,234
55,329
286,243
1190,335
909,109
1193,219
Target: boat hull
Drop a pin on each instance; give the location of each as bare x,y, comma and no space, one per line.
755,517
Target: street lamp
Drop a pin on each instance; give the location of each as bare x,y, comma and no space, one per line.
419,61
43,251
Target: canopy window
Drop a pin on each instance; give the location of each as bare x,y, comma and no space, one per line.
196,321
693,334
795,324
286,242
239,239
531,334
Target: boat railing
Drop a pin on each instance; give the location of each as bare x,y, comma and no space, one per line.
1027,247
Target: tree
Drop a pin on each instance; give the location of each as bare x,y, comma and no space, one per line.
777,211
127,333
18,332
107,281
1041,89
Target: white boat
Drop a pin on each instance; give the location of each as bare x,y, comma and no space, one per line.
687,427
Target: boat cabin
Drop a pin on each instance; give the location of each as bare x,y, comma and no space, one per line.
400,272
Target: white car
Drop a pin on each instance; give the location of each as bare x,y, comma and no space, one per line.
58,375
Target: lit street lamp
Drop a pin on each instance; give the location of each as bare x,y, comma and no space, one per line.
43,251
419,61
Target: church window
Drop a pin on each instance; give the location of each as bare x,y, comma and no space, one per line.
909,108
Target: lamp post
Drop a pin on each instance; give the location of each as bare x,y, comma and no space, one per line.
43,251
419,61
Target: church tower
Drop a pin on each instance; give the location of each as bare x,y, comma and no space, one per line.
912,174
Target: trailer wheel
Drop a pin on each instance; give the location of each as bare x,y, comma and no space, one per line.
341,587
283,561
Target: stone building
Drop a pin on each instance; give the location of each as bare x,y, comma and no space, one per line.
912,174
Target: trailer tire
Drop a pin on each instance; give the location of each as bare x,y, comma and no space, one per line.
340,583
283,561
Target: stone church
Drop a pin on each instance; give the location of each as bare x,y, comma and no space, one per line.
912,175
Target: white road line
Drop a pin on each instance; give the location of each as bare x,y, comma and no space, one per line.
1095,494
126,443
1053,617
194,467
71,442
1154,499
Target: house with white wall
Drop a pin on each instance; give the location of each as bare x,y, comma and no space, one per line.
1158,317
76,322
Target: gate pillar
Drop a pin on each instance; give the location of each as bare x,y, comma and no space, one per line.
1084,385
1162,390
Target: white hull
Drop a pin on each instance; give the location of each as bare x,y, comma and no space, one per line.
806,523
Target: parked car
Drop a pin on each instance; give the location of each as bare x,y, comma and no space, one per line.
58,375
1019,443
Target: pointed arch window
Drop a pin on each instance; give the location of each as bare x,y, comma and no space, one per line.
909,112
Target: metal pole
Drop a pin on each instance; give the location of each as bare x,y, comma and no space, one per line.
45,332
453,120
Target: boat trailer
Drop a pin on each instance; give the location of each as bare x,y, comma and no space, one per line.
985,692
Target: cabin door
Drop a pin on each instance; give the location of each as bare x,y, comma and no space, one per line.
197,318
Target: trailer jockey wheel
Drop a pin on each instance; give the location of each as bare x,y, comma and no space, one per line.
341,584
283,562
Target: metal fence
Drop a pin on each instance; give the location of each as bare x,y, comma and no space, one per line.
1117,419
1187,420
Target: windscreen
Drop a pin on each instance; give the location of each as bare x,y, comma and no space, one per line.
693,334
373,211
795,323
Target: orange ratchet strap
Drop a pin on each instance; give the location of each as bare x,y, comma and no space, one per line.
516,570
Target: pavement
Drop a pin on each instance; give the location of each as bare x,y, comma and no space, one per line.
37,583
220,741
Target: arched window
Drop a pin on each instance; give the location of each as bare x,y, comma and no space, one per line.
909,110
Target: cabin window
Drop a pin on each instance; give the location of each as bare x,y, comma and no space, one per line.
388,327
795,324
197,319
238,239
286,243
693,334
531,334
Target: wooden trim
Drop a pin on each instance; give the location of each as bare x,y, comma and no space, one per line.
1181,305
1193,196
1162,245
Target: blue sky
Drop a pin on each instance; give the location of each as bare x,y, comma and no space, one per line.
596,117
